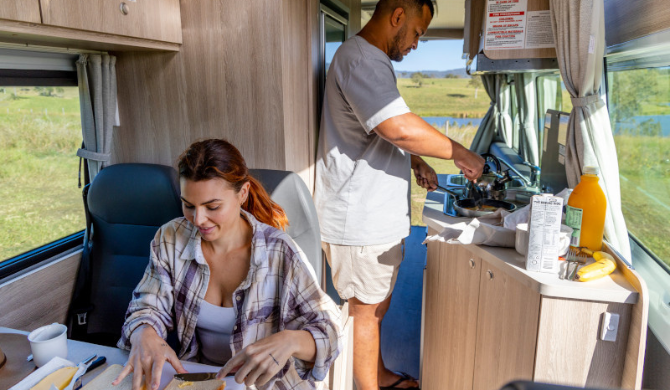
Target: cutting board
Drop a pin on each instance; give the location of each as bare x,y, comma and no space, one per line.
105,379
214,384
16,348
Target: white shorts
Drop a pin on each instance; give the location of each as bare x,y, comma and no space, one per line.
367,273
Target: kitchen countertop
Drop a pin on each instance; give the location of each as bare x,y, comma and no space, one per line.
614,288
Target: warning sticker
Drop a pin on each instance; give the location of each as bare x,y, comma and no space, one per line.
538,30
505,24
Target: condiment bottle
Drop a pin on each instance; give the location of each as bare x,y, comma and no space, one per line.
586,211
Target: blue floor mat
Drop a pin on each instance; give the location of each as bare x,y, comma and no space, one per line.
401,328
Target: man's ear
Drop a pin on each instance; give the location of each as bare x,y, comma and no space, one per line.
398,17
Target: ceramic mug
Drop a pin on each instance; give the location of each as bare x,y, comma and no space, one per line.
48,342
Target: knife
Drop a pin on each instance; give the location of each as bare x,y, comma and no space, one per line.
196,376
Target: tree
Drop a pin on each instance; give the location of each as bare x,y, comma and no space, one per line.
417,78
630,90
476,83
452,76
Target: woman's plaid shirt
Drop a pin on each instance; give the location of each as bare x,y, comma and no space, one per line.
280,292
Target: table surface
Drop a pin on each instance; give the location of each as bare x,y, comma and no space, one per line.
79,350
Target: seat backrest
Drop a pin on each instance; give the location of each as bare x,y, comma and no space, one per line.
290,192
127,204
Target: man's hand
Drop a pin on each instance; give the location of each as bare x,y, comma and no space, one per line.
425,175
469,162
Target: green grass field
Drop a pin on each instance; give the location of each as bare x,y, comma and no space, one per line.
38,177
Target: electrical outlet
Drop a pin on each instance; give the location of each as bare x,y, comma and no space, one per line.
610,326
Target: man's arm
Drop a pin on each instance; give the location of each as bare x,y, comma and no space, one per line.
412,134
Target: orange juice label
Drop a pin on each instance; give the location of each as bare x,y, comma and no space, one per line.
573,218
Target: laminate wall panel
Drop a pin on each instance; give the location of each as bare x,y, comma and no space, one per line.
300,141
22,11
40,297
226,82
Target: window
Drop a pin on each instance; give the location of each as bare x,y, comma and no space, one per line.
42,212
639,107
40,132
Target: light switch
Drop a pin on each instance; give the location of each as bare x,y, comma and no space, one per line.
610,326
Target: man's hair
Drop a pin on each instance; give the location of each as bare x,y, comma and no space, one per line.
412,6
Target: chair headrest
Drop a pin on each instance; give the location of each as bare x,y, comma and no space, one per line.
135,194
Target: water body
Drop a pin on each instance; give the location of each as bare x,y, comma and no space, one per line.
664,120
441,121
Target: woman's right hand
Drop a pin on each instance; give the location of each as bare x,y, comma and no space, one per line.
148,354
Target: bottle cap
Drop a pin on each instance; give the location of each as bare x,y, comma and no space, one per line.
591,171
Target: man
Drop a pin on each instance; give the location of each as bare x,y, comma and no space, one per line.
369,139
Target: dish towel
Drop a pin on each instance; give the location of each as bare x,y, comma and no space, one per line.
487,230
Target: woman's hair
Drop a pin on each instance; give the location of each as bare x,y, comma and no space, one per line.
212,158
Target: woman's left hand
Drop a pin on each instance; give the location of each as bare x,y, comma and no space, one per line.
262,360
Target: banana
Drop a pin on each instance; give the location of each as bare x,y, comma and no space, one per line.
603,266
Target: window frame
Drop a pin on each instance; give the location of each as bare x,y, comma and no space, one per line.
35,68
652,51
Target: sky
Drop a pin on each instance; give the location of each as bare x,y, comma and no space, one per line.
433,55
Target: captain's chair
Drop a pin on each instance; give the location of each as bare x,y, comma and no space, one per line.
291,193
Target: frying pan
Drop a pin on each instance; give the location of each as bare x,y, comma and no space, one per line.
468,207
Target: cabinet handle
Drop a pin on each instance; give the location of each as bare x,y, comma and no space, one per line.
472,263
490,274
123,7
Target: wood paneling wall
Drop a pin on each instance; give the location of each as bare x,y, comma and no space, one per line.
630,19
40,297
243,73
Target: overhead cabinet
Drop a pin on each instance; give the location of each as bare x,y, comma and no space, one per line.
109,25
148,19
24,10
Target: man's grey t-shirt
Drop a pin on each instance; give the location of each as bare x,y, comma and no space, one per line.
362,180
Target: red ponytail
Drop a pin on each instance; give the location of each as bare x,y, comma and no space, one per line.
212,158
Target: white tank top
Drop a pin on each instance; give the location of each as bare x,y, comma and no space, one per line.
214,329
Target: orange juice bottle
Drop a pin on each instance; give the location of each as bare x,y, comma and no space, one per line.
586,210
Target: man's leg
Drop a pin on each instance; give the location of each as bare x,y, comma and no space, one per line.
367,352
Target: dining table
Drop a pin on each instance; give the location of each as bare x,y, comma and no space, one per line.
18,367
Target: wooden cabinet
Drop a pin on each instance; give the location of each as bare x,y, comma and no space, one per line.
452,295
21,11
483,328
158,20
507,321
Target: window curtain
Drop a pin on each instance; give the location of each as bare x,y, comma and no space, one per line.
526,104
497,117
579,33
99,113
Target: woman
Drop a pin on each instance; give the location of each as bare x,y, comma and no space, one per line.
238,290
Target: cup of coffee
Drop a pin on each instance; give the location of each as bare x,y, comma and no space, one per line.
48,342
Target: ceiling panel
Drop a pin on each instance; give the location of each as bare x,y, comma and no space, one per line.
450,15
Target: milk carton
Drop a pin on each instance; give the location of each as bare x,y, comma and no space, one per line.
544,233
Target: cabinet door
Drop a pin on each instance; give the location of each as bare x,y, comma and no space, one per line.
149,19
451,295
507,323
21,11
